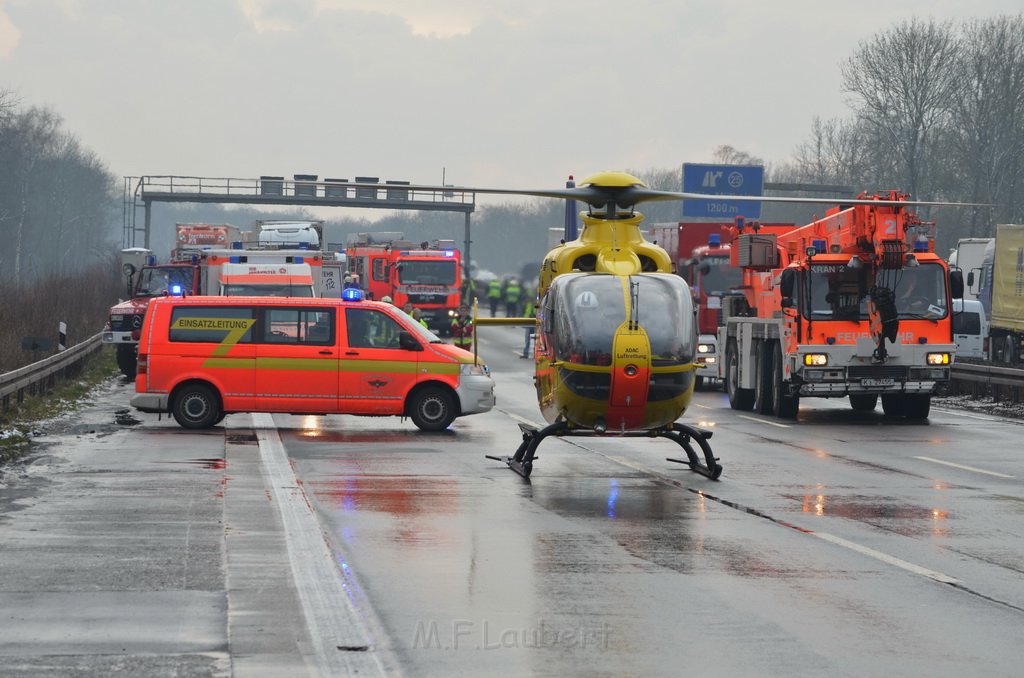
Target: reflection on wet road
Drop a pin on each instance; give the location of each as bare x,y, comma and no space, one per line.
610,561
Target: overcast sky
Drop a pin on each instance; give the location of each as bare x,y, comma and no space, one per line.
517,93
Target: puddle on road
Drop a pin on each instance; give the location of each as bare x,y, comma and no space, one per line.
217,463
900,517
393,494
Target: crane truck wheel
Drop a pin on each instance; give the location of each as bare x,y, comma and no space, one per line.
863,402
739,398
784,405
892,404
917,405
764,388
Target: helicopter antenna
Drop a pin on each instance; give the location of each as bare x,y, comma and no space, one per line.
634,302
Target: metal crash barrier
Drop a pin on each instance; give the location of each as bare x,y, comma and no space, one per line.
39,377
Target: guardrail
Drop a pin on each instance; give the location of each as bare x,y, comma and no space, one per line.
37,378
979,380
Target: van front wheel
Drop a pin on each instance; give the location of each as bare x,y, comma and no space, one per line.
431,408
196,406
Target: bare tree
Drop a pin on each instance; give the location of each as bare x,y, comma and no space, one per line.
56,199
986,134
904,87
727,155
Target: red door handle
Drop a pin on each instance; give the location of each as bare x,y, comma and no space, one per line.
351,352
326,352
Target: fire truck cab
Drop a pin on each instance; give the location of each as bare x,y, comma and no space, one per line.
428,275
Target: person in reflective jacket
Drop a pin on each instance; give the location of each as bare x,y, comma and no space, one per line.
462,329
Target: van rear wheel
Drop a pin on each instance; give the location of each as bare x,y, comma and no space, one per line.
432,409
196,406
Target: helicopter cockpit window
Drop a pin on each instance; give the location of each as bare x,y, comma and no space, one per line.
589,308
665,311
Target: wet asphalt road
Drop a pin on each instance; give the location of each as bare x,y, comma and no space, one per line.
842,544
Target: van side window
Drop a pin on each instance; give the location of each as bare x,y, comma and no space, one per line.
380,269
297,326
966,322
212,324
370,328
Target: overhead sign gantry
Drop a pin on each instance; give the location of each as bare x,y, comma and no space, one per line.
303,190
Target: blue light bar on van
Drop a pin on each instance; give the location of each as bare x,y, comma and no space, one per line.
352,294
820,245
235,259
920,245
449,253
715,239
236,245
177,289
299,260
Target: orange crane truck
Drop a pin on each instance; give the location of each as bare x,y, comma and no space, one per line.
856,304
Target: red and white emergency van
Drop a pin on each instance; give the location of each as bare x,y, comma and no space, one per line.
201,358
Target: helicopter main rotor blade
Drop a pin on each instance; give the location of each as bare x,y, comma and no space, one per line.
627,196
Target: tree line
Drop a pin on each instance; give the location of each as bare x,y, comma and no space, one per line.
59,205
936,111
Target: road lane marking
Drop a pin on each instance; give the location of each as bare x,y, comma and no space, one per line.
764,421
970,415
838,541
886,558
965,468
331,616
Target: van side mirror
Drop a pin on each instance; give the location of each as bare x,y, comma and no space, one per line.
956,284
407,342
788,283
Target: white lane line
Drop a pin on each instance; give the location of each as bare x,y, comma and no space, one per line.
886,558
982,417
764,421
332,618
965,468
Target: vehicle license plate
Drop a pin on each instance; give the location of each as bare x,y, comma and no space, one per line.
877,382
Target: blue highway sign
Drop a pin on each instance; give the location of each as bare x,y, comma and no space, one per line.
722,180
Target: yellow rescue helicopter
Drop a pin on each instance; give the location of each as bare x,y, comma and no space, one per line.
615,327
616,334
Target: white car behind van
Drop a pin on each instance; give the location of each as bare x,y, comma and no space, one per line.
970,329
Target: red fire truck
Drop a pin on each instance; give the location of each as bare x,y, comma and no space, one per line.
427,274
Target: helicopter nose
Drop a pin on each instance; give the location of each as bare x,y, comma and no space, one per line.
600,426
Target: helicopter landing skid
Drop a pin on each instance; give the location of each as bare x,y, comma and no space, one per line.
683,434
522,462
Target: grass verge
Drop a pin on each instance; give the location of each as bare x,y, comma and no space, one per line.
18,422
